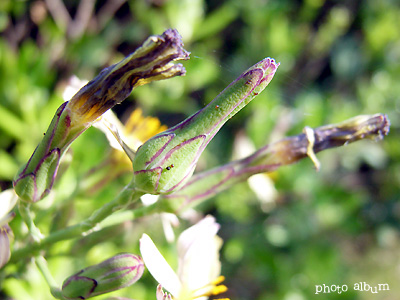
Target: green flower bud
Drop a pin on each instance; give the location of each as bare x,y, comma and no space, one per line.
165,162
112,274
152,61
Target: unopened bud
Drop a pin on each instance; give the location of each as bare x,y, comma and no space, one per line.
154,60
112,274
165,162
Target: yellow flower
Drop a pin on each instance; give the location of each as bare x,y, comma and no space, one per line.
142,128
126,138
136,130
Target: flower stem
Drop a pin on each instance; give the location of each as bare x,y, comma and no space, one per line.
26,214
127,196
207,184
41,264
129,215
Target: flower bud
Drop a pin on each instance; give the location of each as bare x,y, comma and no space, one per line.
152,61
112,274
207,184
166,161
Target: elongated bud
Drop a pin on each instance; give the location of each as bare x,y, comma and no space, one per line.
152,61
289,150
112,274
166,161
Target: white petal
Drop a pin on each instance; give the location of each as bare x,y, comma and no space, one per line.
242,146
149,199
5,235
8,199
201,264
198,250
265,190
205,228
168,221
158,266
112,127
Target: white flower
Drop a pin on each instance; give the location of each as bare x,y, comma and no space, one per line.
6,236
8,199
198,263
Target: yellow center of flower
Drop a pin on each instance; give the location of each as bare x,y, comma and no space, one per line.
142,128
212,289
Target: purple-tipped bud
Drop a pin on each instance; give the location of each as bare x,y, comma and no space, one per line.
166,161
154,60
112,274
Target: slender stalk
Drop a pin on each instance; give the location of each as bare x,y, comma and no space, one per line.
205,185
129,215
26,214
127,196
41,264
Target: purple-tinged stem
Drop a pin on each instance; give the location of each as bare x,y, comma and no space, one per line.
207,184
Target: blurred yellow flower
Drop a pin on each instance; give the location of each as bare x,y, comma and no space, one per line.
126,138
136,130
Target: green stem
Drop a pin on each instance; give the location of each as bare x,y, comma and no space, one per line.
129,215
41,263
127,196
26,214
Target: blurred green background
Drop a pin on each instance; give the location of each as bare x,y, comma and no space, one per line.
338,59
